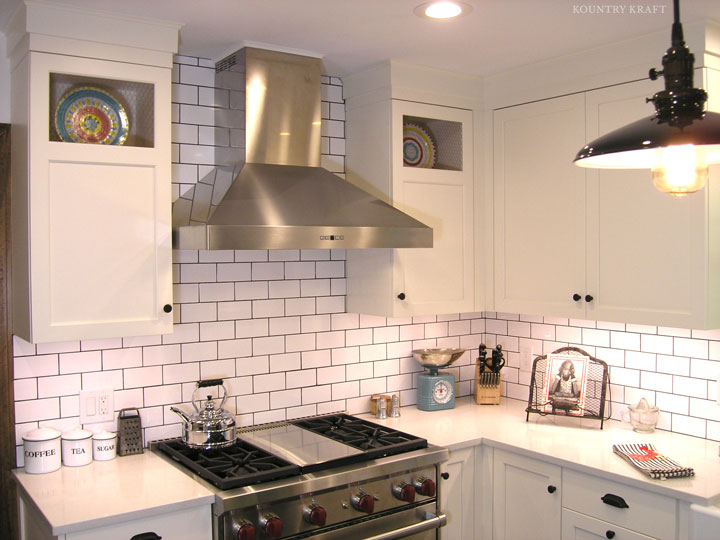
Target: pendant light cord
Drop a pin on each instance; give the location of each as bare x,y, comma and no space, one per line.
678,40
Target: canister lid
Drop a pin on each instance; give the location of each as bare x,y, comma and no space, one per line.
41,434
76,434
104,436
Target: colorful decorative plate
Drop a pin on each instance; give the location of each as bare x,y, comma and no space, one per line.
90,115
418,147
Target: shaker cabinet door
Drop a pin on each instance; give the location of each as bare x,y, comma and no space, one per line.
646,249
539,201
526,497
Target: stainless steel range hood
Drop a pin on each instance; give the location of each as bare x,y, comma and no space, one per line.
273,194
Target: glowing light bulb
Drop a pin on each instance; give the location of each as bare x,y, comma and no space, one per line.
680,170
443,10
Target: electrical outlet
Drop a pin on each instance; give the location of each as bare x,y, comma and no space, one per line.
96,406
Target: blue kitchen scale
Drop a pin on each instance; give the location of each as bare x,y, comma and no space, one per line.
436,389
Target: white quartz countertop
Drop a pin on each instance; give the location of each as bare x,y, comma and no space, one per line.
569,442
107,492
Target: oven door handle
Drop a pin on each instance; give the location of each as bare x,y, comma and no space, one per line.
431,521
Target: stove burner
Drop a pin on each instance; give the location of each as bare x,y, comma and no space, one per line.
374,439
238,465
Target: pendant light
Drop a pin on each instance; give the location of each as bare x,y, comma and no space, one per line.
678,142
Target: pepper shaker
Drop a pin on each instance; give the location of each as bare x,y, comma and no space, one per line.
395,406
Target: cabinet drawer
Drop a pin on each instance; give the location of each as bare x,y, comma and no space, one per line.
648,513
581,527
191,524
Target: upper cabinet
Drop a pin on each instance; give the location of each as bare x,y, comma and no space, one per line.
419,158
91,179
596,244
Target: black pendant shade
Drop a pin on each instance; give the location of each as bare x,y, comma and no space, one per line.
641,139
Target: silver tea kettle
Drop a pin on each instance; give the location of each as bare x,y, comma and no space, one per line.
210,428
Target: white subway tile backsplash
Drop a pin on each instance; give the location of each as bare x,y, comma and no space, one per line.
285,362
300,342
80,362
268,345
139,377
60,385
36,366
273,324
37,409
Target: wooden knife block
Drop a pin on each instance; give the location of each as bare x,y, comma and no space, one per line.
487,388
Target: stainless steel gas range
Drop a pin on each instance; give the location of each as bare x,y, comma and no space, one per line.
322,478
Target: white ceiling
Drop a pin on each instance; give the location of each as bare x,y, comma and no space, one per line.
353,34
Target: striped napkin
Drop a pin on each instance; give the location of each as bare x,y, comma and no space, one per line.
649,461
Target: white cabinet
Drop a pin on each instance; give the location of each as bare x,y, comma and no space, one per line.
596,244
526,497
188,524
581,527
91,222
457,495
418,281
627,511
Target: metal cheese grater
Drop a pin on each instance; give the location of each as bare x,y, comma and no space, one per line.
129,432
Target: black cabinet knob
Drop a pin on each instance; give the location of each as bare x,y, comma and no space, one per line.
401,296
445,475
167,308
577,297
610,534
588,298
552,489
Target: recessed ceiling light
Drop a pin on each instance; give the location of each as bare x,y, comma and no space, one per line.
444,9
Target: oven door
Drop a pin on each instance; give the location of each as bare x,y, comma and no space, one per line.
418,523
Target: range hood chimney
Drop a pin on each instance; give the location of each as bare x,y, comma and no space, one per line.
277,196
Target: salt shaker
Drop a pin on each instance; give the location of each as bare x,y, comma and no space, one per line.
395,406
381,408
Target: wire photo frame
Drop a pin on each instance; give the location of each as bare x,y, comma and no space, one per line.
568,382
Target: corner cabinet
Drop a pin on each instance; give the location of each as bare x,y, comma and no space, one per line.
597,244
91,227
437,192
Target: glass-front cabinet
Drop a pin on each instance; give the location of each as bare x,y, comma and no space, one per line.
91,160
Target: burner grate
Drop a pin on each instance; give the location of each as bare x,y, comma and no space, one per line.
241,464
375,440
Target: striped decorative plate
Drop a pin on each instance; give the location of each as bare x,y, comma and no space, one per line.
91,115
418,147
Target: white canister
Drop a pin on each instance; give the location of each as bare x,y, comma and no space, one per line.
104,446
76,447
41,450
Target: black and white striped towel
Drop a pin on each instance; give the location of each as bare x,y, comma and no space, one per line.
651,462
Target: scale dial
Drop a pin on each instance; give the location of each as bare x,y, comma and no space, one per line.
442,392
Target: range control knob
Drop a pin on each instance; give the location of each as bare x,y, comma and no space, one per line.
363,502
425,486
272,525
404,492
315,515
246,531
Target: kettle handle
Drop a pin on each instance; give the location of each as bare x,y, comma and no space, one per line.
204,384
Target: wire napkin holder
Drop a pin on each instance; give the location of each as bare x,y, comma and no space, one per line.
568,382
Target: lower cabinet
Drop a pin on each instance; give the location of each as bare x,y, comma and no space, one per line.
581,527
457,495
188,524
526,497
534,499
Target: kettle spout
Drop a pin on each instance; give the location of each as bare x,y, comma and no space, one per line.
181,414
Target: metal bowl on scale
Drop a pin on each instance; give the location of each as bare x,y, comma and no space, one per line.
434,359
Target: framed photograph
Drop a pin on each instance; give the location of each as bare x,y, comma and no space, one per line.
565,382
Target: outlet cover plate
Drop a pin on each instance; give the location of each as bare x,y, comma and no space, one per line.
96,406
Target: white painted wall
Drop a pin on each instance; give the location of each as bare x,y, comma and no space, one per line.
4,82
